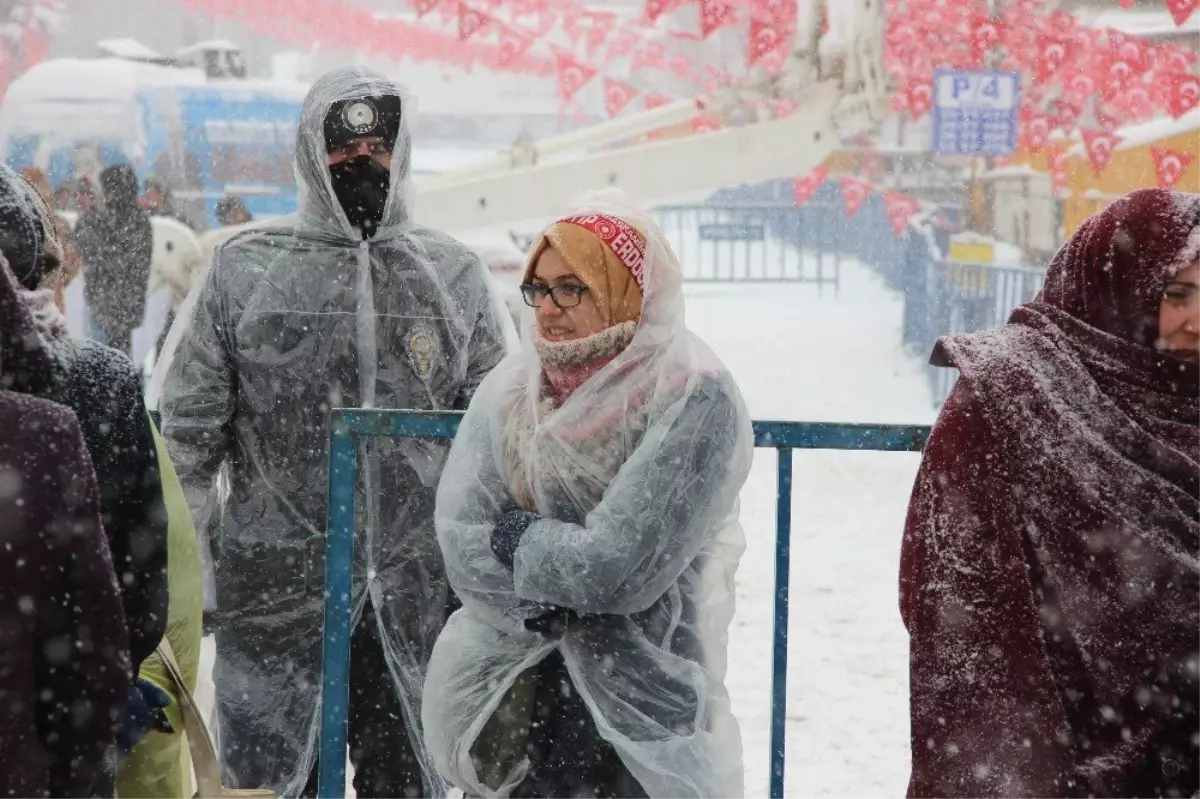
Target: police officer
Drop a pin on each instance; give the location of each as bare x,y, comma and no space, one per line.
346,303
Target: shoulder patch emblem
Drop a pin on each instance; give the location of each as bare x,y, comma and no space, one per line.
423,350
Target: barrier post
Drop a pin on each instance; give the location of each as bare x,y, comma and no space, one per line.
783,553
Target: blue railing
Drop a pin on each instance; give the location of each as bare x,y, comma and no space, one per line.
748,243
941,297
348,425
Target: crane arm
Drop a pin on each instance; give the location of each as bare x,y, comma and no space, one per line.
842,94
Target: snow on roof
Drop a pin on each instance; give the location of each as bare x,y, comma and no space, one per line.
1138,23
126,48
95,79
1149,132
99,97
209,44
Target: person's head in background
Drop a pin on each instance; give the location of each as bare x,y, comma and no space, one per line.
30,243
231,210
155,197
119,184
37,178
360,136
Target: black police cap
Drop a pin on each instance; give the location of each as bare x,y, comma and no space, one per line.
362,117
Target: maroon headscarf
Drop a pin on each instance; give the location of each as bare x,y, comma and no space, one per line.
1050,571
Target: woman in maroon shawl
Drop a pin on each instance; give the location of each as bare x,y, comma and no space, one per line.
1050,572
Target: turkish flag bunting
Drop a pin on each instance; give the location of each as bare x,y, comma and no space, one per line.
1185,93
622,45
513,43
1174,58
1129,49
680,66
807,186
656,8
547,19
920,97
601,24
986,33
651,55
1052,54
1127,4
1181,10
854,194
1169,165
1099,145
654,101
899,209
1064,115
765,38
705,124
617,95
423,7
715,14
1035,132
1079,88
470,21
572,75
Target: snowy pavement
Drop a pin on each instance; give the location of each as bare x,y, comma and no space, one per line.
800,356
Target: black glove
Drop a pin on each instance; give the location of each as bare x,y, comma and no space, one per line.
506,535
553,623
143,714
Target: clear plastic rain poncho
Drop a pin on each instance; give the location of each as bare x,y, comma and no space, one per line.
295,318
637,477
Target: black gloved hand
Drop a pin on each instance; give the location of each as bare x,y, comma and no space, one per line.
553,623
143,714
506,535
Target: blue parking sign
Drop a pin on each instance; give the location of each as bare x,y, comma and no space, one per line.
975,112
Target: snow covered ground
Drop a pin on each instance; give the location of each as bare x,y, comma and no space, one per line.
801,356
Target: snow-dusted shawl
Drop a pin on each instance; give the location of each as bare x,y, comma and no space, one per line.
1050,575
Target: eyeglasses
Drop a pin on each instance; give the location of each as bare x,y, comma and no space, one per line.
565,296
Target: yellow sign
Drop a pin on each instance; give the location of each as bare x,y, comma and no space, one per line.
973,252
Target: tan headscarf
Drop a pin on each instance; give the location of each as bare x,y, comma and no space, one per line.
611,283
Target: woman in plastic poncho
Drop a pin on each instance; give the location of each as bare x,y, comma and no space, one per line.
588,518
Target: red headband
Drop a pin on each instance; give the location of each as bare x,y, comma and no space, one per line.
622,238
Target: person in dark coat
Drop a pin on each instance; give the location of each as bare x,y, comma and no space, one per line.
1050,569
64,655
116,245
103,388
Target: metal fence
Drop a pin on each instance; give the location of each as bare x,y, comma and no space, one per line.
747,243
940,297
963,298
348,425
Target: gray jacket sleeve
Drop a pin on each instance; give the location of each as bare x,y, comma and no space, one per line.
199,396
667,504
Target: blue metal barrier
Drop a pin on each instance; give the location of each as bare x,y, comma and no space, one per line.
748,243
348,425
941,297
948,297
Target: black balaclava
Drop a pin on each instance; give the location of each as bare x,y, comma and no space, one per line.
361,184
